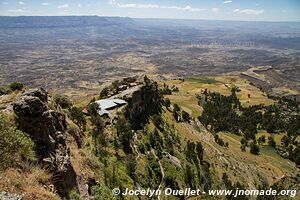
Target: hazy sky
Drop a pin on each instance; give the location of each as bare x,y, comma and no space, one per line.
262,10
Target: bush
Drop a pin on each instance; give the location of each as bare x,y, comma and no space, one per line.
104,93
185,116
63,101
16,86
5,90
142,148
254,148
262,139
271,142
219,141
176,112
15,145
101,193
158,121
75,196
167,102
77,116
75,133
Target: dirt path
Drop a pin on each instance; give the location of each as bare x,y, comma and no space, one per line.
161,171
135,147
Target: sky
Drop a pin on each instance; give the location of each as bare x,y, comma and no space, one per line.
244,10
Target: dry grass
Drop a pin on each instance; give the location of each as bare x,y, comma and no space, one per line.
243,166
268,162
186,97
32,185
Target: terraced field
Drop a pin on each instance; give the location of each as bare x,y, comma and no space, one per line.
241,165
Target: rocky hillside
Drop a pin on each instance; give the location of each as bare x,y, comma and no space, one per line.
162,138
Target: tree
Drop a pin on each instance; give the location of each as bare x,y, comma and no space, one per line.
189,176
170,181
147,81
254,148
93,109
243,147
185,116
131,166
166,90
63,101
227,182
167,102
200,151
77,116
262,139
297,155
104,93
219,140
285,140
95,117
98,130
244,141
158,121
190,151
125,133
176,112
102,192
271,141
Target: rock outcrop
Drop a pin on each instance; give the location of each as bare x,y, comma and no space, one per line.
46,125
8,196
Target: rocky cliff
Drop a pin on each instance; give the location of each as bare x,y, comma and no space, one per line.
46,124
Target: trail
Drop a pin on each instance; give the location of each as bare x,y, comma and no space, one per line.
135,147
153,152
161,171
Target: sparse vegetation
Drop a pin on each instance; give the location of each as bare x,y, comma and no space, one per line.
185,116
16,86
15,146
63,101
11,87
158,150
254,148
77,116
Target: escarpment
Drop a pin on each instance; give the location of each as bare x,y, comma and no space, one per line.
46,124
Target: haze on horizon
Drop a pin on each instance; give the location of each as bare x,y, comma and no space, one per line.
241,10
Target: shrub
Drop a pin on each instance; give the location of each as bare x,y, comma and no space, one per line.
271,141
219,141
101,193
63,101
176,112
254,148
75,196
167,102
142,148
14,145
185,116
5,90
77,116
158,121
16,86
104,93
262,139
75,133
